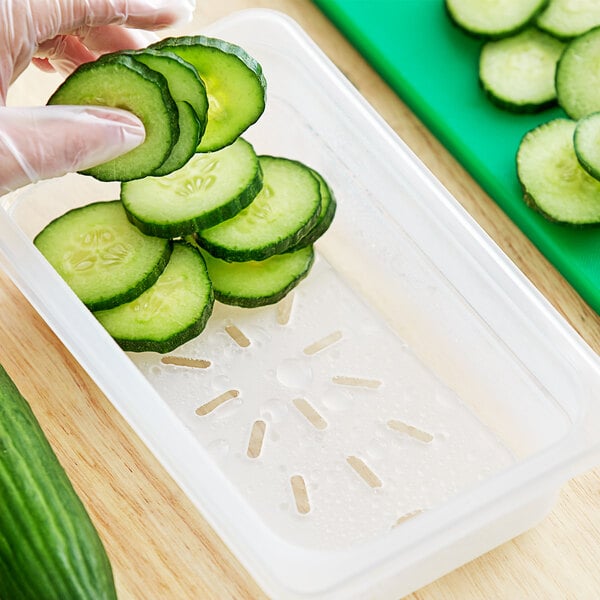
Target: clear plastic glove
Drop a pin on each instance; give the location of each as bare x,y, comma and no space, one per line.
48,141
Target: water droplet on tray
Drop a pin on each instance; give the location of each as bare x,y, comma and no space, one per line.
274,410
220,382
294,373
337,400
219,448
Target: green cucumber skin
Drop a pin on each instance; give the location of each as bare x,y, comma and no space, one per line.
530,202
575,109
258,301
592,168
135,290
257,254
184,149
325,218
270,249
509,49
189,92
204,221
210,42
173,341
181,43
196,98
531,194
482,35
110,171
526,108
318,230
49,547
170,344
496,35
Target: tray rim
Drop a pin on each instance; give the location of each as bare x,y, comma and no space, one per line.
559,458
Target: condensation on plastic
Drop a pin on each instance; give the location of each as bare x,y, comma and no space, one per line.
414,403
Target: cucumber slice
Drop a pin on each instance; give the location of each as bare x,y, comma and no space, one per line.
174,310
517,73
251,284
182,78
566,19
103,257
587,143
493,18
234,83
190,132
328,209
210,188
578,75
285,209
186,86
121,81
553,181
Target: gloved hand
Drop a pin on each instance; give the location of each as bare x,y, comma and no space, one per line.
42,142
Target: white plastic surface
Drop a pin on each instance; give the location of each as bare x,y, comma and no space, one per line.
420,404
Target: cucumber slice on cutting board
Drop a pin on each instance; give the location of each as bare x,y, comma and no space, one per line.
517,72
209,189
171,312
566,19
553,181
578,75
234,81
104,258
586,140
283,212
493,18
123,82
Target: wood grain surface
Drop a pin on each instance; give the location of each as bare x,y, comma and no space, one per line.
159,545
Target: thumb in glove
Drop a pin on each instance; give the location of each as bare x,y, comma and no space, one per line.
42,142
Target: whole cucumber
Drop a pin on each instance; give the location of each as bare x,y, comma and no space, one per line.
49,547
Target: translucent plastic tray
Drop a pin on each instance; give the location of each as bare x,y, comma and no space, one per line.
413,404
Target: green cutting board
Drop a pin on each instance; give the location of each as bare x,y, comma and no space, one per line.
433,67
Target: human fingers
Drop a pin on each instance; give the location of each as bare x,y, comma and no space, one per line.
42,142
29,24
68,16
65,53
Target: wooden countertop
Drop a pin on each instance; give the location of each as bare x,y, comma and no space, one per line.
159,545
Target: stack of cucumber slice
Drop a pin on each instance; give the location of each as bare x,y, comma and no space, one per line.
539,54
200,216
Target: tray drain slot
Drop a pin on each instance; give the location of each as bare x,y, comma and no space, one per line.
300,494
213,404
284,309
310,412
364,472
356,381
323,343
257,437
237,335
182,361
407,516
413,432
